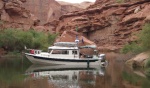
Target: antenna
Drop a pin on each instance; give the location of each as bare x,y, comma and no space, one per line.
77,40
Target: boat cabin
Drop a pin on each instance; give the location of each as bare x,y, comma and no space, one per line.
64,50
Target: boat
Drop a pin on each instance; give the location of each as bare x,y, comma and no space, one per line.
66,53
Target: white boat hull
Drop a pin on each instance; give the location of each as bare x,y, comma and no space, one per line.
46,60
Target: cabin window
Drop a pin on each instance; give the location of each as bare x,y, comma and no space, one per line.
56,52
60,52
37,52
63,77
65,52
74,52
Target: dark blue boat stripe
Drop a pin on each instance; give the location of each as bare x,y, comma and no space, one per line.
63,60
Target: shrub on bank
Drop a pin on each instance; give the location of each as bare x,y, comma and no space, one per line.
147,64
133,47
142,44
15,40
147,70
144,37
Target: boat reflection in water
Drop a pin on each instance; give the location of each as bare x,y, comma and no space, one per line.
63,76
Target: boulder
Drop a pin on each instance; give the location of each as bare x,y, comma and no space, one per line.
139,60
70,36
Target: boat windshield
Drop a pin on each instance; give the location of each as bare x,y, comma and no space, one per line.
60,52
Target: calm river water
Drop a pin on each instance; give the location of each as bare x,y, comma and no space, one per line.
20,73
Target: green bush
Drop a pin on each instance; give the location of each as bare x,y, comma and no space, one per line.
144,37
15,40
147,64
147,68
133,47
142,44
51,38
147,73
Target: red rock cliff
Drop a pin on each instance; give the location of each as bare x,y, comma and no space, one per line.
48,10
14,15
107,23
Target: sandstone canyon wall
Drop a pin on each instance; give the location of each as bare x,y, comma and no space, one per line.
26,14
14,15
107,23
48,10
82,5
42,9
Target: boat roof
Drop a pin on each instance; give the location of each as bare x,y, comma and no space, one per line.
66,44
62,48
70,45
88,46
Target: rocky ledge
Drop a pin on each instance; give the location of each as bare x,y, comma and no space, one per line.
139,60
14,15
109,26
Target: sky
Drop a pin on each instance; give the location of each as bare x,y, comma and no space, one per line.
76,1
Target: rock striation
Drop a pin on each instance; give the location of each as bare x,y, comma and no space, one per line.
48,10
14,15
107,23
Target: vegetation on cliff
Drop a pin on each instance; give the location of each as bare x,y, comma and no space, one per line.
147,66
15,40
142,44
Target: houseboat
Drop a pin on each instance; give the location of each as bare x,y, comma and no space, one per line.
66,53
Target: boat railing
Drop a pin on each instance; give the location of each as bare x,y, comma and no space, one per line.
66,44
33,51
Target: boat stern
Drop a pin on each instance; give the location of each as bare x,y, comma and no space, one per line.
102,58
